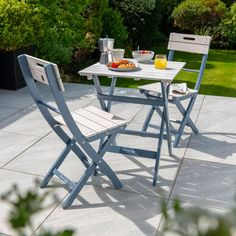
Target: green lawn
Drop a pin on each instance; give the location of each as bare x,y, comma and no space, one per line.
219,77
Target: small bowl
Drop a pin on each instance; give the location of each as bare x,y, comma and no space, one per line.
142,55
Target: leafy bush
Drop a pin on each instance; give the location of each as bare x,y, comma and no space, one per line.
134,13
134,7
57,28
93,15
199,16
19,25
113,27
195,221
63,29
228,27
24,206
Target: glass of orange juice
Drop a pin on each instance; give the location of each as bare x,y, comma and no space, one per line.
160,61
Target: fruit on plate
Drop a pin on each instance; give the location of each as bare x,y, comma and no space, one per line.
122,64
126,65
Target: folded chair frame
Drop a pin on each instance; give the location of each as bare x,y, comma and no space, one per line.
177,100
79,144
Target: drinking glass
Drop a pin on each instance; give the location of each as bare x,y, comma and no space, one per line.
117,54
160,61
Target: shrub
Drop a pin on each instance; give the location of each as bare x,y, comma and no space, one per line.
25,206
93,24
199,16
196,221
19,25
63,29
228,27
113,27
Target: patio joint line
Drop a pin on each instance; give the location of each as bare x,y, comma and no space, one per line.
22,172
24,151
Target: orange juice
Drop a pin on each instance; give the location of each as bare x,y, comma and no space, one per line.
160,61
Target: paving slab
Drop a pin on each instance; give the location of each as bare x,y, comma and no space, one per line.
12,144
213,146
102,212
29,122
219,104
206,183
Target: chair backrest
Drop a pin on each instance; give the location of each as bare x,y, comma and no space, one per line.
35,69
192,44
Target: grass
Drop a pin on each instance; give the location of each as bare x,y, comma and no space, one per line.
219,76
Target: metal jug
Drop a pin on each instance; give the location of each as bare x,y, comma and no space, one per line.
105,47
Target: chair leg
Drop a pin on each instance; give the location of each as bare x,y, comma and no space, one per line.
56,165
184,121
183,112
83,180
158,154
103,166
148,119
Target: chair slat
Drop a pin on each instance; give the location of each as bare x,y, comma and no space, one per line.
190,38
87,132
188,47
93,116
106,115
37,70
92,121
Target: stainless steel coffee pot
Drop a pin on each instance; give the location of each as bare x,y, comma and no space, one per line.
105,47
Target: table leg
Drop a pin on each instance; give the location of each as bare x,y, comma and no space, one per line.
111,92
165,92
106,106
99,91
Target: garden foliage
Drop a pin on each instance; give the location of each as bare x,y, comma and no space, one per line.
63,30
196,221
113,27
25,206
199,16
19,25
57,28
228,27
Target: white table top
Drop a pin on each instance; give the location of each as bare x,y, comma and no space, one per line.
147,71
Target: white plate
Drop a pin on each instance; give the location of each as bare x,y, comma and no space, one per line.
124,69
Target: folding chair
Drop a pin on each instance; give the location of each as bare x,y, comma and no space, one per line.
184,43
85,125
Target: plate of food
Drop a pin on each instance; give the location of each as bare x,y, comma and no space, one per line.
123,65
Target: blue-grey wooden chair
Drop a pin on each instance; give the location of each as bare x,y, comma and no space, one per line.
86,125
184,43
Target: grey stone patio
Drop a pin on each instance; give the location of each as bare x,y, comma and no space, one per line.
202,172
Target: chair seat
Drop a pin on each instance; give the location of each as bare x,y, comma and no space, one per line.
92,121
156,88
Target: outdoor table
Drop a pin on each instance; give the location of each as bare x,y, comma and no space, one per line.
146,71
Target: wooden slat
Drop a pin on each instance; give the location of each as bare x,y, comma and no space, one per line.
88,123
106,115
98,119
84,130
92,121
188,47
190,38
37,65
